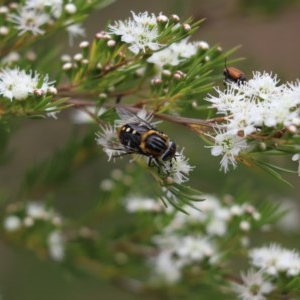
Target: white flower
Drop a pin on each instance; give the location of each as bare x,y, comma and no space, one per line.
4,30
245,226
163,58
174,54
70,8
290,221
46,86
74,30
165,268
296,157
12,223
208,212
17,84
52,112
258,102
85,116
56,246
229,145
136,204
203,45
236,210
289,263
195,248
140,32
144,18
28,221
179,168
37,210
254,286
217,222
274,259
186,250
29,20
184,49
282,110
108,139
55,6
176,252
67,66
262,85
226,100
10,58
107,184
4,9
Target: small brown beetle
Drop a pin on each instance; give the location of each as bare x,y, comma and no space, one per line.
233,75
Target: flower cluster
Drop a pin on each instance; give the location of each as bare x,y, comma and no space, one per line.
77,60
36,16
134,204
143,31
229,146
35,218
195,237
16,84
214,217
270,263
177,53
275,260
257,108
253,286
181,252
165,68
117,178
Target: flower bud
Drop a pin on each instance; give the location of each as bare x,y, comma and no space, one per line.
70,8
84,44
174,18
156,81
186,27
4,30
111,43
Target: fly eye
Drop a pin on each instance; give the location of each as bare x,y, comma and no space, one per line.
170,152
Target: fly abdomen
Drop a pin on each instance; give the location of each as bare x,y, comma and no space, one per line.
154,143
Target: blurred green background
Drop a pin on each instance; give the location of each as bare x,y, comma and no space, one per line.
268,34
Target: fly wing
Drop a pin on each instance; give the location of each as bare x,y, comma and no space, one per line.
118,149
141,117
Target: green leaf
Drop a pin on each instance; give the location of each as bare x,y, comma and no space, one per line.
271,212
272,170
102,4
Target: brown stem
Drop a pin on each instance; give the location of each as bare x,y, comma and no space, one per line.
197,125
